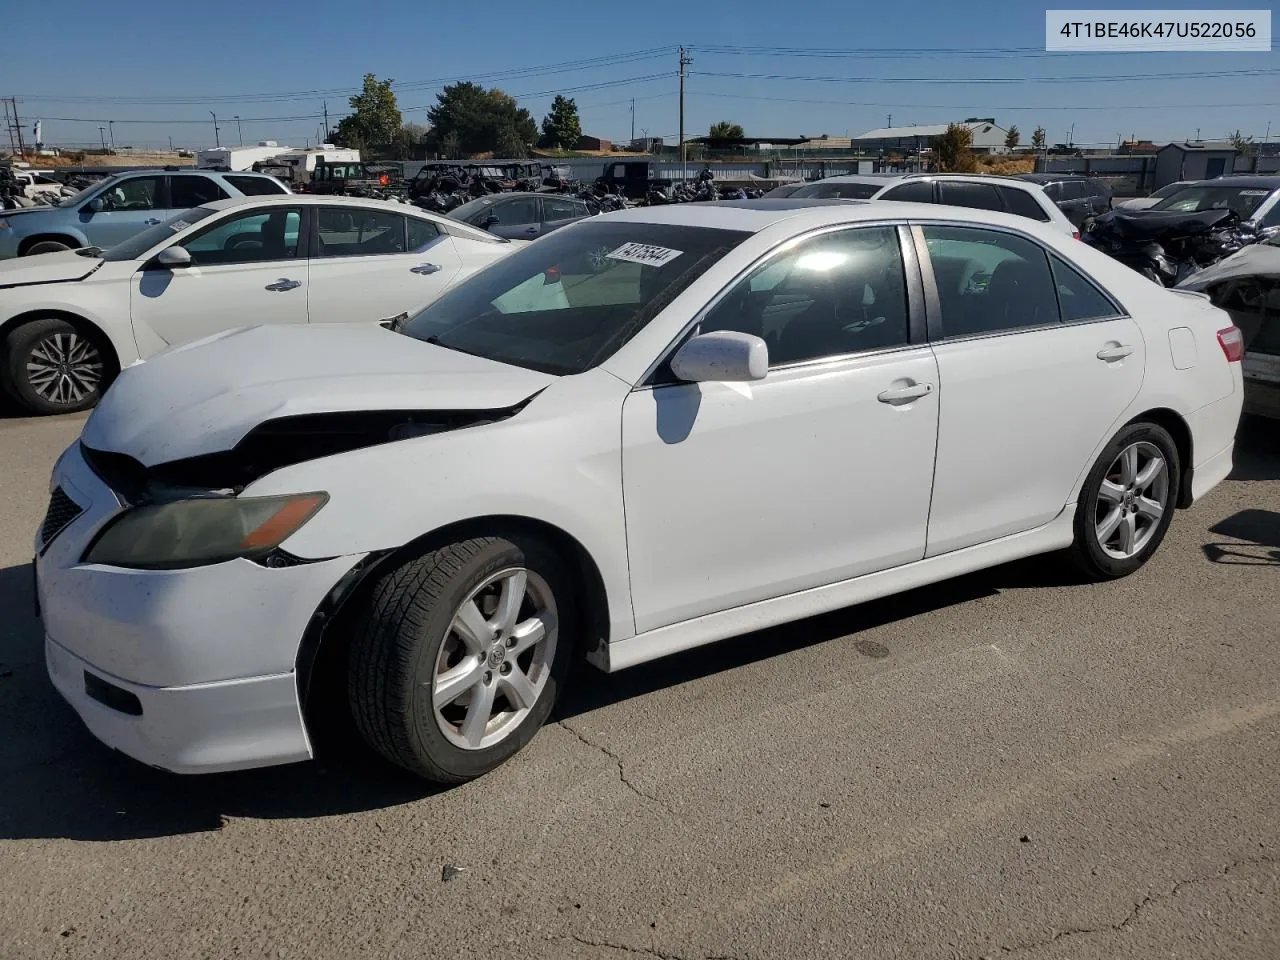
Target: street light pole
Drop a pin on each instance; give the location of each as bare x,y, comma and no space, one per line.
111,129
102,135
239,132
216,141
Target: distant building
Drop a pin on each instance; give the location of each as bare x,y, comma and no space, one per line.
593,143
988,137
1193,160
646,145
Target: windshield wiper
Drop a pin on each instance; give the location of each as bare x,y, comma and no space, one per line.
434,340
90,251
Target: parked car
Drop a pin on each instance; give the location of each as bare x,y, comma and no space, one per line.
520,216
856,186
114,209
981,192
1079,198
1142,203
1254,199
70,321
629,438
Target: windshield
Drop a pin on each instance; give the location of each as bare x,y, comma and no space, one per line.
140,243
78,198
571,300
844,191
1242,200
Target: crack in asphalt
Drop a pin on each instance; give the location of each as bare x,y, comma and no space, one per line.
622,772
640,951
1137,910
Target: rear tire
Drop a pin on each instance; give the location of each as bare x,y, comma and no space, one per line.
46,246
51,367
1126,503
447,676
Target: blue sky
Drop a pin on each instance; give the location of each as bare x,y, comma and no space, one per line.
174,62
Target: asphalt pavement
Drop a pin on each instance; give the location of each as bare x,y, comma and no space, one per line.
1012,764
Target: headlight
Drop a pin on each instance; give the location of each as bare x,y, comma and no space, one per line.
193,533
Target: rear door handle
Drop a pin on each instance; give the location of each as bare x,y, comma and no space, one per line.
425,268
531,230
152,222
284,284
905,394
1116,352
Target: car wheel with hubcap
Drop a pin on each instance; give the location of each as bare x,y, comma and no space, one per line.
1127,502
50,366
458,656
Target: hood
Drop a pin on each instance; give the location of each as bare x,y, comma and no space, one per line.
1142,226
204,397
1259,260
46,268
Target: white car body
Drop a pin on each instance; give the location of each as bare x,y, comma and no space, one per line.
133,307
1050,213
696,511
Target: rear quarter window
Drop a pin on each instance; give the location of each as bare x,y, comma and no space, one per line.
257,186
1023,204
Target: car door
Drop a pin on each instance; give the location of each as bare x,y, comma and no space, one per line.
1075,201
123,208
1037,363
558,211
369,264
246,268
519,218
822,471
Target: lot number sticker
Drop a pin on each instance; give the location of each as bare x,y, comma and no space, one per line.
645,254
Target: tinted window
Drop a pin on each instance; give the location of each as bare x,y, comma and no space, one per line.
135,193
1077,297
1053,191
556,209
192,191
980,195
918,191
1243,200
1099,189
843,191
250,237
567,302
1022,203
1272,219
515,211
1074,190
257,186
836,294
421,232
353,232
989,281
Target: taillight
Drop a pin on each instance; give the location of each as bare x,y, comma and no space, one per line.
1232,342
1075,234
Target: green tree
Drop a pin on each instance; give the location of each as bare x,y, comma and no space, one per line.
724,130
1012,137
479,119
1038,138
375,119
1242,143
954,150
561,128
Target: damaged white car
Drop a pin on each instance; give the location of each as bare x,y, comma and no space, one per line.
647,431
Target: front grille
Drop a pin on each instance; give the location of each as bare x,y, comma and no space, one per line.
62,510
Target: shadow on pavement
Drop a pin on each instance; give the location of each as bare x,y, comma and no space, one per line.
1257,453
1260,529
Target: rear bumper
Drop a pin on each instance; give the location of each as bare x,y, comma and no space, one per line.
201,728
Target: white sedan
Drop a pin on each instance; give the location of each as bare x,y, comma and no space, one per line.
647,431
69,322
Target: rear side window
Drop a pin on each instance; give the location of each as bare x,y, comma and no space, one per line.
421,232
919,191
1099,189
1077,297
981,196
1022,203
1074,190
257,186
193,191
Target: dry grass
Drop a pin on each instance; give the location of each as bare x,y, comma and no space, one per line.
1006,166
139,159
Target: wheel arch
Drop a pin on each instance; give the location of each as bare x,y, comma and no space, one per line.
77,320
1180,431
26,243
321,654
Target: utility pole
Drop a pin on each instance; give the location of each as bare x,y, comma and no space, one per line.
633,119
8,125
239,132
216,141
890,123
111,130
171,144
102,135
685,60
325,136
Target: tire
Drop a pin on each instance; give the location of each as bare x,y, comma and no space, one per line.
408,634
46,246
1115,531
79,363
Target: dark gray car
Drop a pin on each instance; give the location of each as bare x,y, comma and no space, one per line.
1080,198
521,216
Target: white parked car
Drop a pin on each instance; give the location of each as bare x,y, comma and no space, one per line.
647,431
70,321
1023,198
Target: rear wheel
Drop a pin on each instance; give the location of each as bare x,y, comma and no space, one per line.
1127,502
459,655
50,366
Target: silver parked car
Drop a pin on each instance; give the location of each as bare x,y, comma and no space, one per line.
521,216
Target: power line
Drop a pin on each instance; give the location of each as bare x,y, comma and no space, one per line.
967,106
965,80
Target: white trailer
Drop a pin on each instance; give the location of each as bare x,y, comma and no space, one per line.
301,164
238,158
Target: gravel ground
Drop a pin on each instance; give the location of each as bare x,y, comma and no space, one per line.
1009,764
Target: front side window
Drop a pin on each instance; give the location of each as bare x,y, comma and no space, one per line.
251,237
192,191
571,300
988,281
135,193
836,294
556,209
140,243
356,232
521,210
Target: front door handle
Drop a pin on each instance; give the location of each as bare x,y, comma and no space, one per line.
284,284
152,222
1117,351
531,230
425,268
905,394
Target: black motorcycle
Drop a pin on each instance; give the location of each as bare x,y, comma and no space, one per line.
1166,246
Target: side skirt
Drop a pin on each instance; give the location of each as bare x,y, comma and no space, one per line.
663,641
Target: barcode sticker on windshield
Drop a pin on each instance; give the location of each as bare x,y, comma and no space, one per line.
178,225
645,254
1254,193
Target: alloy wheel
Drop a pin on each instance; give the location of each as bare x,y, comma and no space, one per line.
64,368
1132,499
495,660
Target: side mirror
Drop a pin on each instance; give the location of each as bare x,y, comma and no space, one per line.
723,355
489,221
174,257
96,204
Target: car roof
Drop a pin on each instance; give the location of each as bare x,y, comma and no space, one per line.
364,203
1255,181
1053,177
860,178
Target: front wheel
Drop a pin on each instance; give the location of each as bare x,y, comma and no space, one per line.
458,656
52,367
1127,502
46,246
